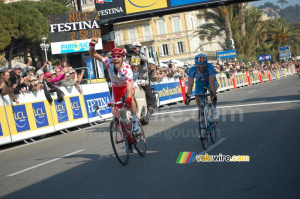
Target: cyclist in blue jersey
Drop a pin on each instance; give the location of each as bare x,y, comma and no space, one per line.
204,74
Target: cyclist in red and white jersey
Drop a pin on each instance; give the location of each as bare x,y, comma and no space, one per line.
121,77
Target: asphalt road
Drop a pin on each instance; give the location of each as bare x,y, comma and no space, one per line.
261,121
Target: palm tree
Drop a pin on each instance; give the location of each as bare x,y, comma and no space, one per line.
282,2
218,25
246,43
281,33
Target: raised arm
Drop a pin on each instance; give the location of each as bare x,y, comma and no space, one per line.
92,51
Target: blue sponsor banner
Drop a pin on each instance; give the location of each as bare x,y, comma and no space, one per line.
181,2
1,132
174,90
226,54
162,90
76,107
20,117
61,110
264,57
90,69
40,115
101,99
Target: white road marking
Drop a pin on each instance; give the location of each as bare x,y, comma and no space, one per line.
24,145
252,91
51,137
42,164
210,148
220,107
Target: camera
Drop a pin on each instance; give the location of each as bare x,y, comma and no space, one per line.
170,64
130,50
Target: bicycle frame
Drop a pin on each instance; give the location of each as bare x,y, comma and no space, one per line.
204,106
125,127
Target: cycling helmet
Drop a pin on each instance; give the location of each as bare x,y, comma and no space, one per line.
118,51
201,60
135,62
138,44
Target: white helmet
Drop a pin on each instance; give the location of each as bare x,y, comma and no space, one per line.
137,44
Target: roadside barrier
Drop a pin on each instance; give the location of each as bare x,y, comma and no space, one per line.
34,116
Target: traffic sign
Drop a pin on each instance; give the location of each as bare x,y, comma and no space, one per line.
284,48
287,54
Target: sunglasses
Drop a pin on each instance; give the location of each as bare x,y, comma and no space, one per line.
200,66
48,77
116,56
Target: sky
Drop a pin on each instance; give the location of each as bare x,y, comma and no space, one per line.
262,2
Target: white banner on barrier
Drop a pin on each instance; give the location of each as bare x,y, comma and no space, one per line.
96,94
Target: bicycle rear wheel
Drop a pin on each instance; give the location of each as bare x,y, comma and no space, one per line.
119,142
140,141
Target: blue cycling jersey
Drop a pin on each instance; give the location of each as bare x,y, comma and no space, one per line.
203,78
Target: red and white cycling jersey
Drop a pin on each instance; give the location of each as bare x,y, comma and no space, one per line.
124,73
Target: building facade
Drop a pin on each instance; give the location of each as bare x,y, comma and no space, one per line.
169,37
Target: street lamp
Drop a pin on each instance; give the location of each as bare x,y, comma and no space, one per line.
45,47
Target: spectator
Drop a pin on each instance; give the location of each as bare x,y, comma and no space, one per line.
5,88
152,73
72,80
15,80
56,78
49,87
36,84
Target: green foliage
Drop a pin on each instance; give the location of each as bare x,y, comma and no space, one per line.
282,2
25,23
291,13
262,37
269,5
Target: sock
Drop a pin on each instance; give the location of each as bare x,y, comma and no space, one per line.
134,118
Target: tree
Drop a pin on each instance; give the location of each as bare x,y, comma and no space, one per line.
24,23
218,25
282,2
281,33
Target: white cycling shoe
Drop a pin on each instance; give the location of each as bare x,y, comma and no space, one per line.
135,125
215,115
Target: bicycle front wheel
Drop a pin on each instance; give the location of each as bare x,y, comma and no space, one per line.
140,141
213,133
119,142
203,137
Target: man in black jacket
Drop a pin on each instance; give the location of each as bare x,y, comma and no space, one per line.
15,80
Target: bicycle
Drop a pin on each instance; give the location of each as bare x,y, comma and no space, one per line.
122,135
210,125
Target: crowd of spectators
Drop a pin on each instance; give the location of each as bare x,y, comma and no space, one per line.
18,80
221,66
169,70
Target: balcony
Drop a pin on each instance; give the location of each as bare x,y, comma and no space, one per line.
148,38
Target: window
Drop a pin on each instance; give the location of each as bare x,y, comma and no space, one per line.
176,24
132,34
164,49
179,47
147,32
118,36
83,2
151,51
161,27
